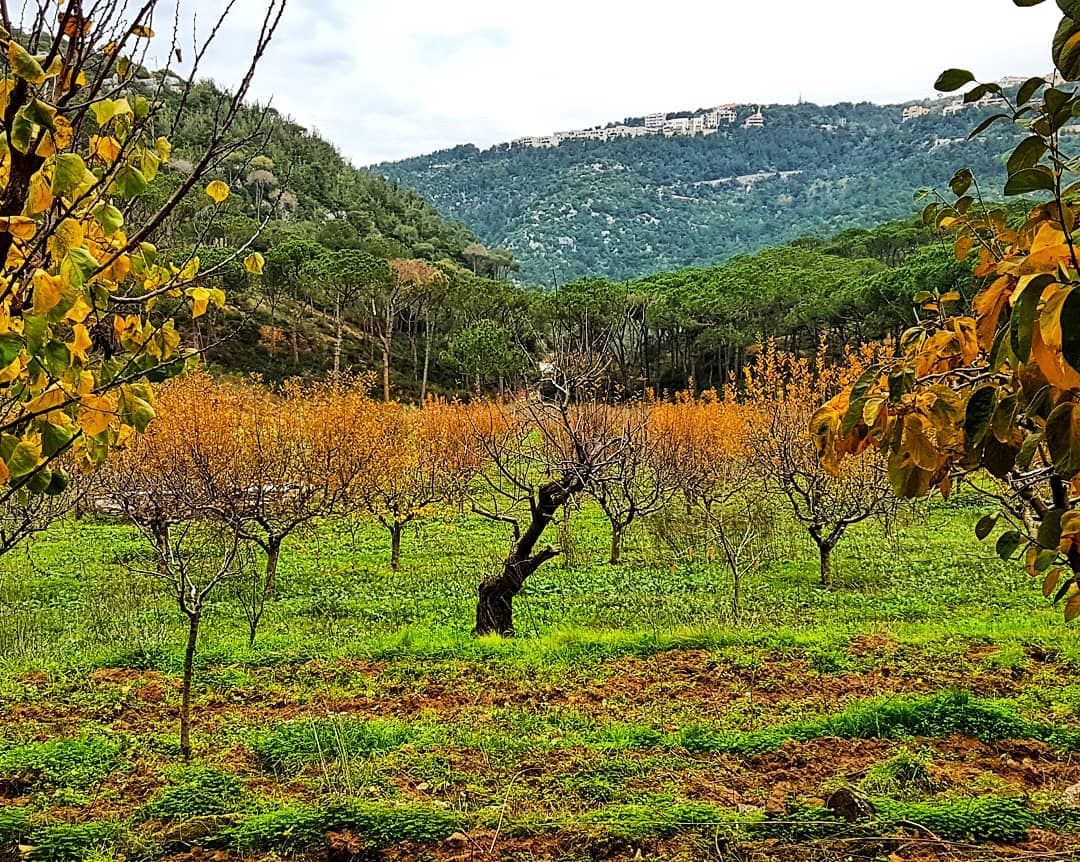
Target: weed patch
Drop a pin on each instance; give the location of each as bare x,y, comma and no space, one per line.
198,792
76,763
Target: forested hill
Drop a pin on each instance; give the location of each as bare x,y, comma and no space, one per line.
627,207
302,183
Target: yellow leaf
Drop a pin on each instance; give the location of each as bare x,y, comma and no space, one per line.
95,413
47,291
80,343
12,370
20,227
50,399
40,197
200,297
5,474
105,147
79,311
218,191
254,263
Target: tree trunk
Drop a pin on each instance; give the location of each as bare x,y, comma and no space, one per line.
427,357
273,554
337,338
825,555
386,342
495,605
395,545
616,543
189,673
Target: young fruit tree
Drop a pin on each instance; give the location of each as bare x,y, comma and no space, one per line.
781,390
283,459
704,450
425,464
158,483
640,480
85,297
995,388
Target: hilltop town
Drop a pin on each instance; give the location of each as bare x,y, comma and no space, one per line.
710,120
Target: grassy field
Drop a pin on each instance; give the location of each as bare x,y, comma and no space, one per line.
632,718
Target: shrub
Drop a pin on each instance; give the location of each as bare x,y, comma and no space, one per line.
13,828
77,763
379,824
986,818
198,792
70,842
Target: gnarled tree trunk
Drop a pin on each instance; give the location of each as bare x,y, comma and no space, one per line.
495,605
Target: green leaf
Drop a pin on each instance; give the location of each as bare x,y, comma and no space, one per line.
109,217
1039,178
57,357
24,458
1045,559
78,265
1066,49
1070,329
1007,544
953,79
22,131
961,182
987,123
54,439
986,525
1049,535
10,347
36,331
976,93
1027,451
23,63
980,410
1024,313
1028,89
58,483
68,174
1027,154
129,182
41,114
866,381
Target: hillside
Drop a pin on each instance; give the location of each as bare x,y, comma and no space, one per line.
298,180
623,208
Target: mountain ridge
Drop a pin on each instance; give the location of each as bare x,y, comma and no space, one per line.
625,207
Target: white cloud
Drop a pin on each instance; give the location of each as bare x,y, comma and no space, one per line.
387,80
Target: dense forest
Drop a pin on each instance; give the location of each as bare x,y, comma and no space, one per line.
481,334
627,207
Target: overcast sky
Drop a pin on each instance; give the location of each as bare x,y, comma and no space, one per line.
385,79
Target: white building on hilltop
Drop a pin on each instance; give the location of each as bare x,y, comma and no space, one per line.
755,121
655,122
913,112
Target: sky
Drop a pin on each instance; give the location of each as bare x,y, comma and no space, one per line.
387,79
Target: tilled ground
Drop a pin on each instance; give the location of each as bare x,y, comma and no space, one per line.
515,781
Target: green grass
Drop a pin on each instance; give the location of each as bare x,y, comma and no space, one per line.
632,707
